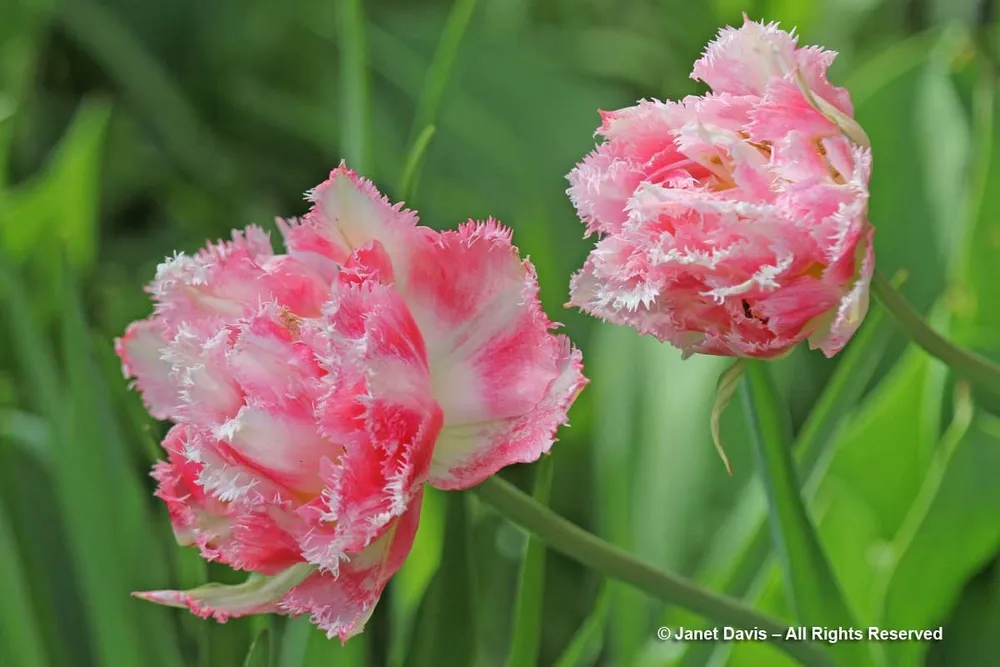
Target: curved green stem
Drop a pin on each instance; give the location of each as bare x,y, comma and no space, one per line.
609,560
964,362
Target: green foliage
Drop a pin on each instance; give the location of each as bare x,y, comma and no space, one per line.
131,129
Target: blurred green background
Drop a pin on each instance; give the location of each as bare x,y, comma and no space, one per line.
129,129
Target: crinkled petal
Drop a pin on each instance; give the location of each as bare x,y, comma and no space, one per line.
244,537
382,415
502,378
141,352
742,60
348,213
341,604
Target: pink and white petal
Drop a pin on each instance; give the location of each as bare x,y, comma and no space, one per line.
341,604
467,453
200,366
742,60
257,595
269,362
243,537
213,287
494,361
297,287
785,109
141,352
349,212
854,305
378,409
814,62
377,477
600,186
280,443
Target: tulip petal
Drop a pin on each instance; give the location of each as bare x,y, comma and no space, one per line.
259,594
348,213
141,351
502,378
341,604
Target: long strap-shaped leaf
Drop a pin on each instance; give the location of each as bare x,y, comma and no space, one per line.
813,591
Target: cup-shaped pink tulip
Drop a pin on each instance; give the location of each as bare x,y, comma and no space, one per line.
733,223
314,393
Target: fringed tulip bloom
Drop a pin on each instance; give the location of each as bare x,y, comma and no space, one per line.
734,223
315,392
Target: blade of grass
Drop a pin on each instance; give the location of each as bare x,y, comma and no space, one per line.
19,630
28,343
413,161
813,591
83,479
526,636
259,654
585,647
354,94
435,84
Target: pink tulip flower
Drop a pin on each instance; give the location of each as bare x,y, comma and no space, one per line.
733,223
315,392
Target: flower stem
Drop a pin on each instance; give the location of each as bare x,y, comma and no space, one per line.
964,362
609,560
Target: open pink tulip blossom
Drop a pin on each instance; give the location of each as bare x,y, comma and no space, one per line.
315,392
733,223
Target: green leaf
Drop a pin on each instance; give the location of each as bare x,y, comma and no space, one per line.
305,645
726,387
614,357
259,654
445,631
977,322
409,586
62,200
20,635
814,593
951,530
970,636
745,531
585,647
413,160
354,86
147,83
527,627
83,478
435,84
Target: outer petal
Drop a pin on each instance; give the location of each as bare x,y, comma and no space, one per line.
339,604
257,595
742,60
241,536
348,213
342,604
503,380
141,351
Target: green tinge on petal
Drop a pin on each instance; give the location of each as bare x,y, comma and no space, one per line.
850,127
724,390
252,596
